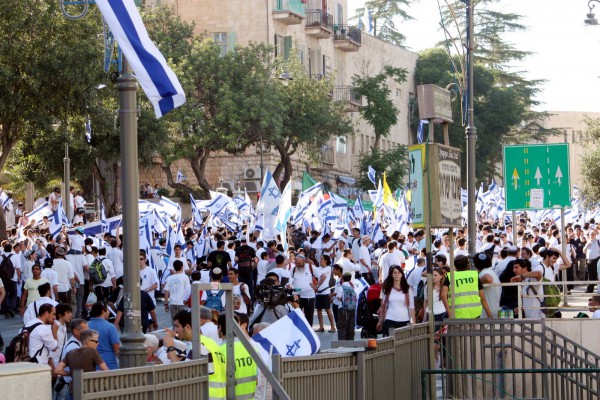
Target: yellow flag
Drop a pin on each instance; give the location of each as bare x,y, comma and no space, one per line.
388,199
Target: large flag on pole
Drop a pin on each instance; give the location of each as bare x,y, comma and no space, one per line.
388,198
150,67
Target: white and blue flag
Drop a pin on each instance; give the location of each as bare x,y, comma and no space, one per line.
148,64
180,177
290,336
103,220
371,175
420,132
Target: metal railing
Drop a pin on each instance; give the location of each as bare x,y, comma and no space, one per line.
294,6
319,18
486,351
346,32
391,371
347,95
187,380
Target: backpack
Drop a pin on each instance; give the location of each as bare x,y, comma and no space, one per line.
553,299
213,301
421,290
7,269
348,298
18,350
97,272
363,312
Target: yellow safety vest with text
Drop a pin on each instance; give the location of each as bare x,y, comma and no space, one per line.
245,371
217,381
466,295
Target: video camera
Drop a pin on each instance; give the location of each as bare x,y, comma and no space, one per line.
272,296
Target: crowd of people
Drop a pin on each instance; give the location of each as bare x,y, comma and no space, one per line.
68,288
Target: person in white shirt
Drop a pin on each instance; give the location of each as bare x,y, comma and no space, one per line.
103,289
483,263
303,275
116,257
533,292
177,290
148,277
207,325
389,259
42,338
282,272
64,314
239,289
323,293
32,309
261,267
364,260
461,250
594,304
177,256
66,276
513,254
592,252
53,199
347,263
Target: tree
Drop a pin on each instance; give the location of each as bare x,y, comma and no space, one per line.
590,166
392,161
46,68
310,118
501,112
232,100
382,14
380,111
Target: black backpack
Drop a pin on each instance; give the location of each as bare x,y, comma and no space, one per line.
18,350
7,268
363,314
97,272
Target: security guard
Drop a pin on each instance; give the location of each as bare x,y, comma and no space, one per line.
245,368
468,292
217,381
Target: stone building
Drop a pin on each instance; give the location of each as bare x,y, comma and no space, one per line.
327,44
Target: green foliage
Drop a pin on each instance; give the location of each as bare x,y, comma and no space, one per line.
590,165
380,111
392,161
385,14
502,112
310,119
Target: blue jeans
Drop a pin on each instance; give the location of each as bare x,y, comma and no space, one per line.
389,324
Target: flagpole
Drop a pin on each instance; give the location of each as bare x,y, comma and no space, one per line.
133,350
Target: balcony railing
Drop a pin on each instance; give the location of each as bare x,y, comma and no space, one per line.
345,32
348,96
319,18
294,6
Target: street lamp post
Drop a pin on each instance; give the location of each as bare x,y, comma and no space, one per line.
471,133
591,17
133,350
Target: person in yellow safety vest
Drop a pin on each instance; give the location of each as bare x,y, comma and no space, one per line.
217,381
468,292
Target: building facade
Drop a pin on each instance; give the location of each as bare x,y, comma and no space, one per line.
327,45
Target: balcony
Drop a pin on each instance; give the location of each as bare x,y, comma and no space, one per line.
319,24
290,12
346,38
345,94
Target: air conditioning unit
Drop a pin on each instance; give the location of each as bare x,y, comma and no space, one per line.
251,174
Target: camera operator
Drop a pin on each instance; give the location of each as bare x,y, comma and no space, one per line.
272,300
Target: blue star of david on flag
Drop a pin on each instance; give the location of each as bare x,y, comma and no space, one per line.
274,192
293,348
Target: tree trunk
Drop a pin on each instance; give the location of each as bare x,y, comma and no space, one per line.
103,187
9,138
377,143
199,168
3,235
289,169
114,207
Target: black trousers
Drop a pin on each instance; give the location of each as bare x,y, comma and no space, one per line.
592,273
308,307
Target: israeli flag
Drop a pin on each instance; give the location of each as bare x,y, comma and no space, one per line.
43,210
290,336
104,222
145,235
420,132
58,219
150,67
180,177
371,175
88,130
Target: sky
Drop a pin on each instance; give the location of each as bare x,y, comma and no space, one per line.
566,52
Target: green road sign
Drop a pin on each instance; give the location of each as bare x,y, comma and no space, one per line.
537,176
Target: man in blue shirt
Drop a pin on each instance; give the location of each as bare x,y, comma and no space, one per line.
107,334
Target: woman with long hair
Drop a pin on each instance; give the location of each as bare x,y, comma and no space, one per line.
398,306
439,308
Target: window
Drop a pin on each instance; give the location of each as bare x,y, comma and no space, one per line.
340,144
220,39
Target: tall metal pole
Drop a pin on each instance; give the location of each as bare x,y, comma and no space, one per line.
67,178
133,350
471,134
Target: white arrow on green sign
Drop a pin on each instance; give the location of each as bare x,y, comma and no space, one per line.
542,167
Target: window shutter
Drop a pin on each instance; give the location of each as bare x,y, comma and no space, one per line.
287,46
231,41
